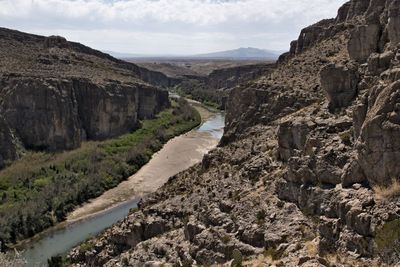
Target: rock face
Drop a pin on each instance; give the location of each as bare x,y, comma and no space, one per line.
300,176
379,150
7,147
364,41
340,84
54,94
230,77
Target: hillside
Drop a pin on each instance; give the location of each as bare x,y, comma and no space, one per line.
303,175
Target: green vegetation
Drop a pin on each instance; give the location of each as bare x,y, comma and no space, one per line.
39,190
237,258
388,236
197,90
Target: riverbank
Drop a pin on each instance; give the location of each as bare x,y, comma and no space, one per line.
40,189
91,218
177,155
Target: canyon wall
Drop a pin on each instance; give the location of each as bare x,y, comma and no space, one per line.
54,94
307,172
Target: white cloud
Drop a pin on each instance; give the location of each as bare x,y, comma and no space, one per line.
146,21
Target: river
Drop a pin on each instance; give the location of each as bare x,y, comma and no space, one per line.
88,220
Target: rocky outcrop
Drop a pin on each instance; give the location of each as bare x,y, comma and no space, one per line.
59,115
364,41
379,147
340,84
54,94
158,78
230,77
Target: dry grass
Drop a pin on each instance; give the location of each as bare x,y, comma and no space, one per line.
388,192
346,260
312,248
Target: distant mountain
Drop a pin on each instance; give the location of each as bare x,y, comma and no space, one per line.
248,53
242,53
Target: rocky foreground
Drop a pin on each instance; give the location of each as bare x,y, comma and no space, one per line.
306,172
54,94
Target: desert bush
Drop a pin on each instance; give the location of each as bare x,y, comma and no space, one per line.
388,192
387,239
237,258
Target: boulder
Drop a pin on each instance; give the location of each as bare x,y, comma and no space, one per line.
327,173
352,174
340,85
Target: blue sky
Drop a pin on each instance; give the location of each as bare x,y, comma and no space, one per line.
179,27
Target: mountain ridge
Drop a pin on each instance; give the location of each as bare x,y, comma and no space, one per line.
249,53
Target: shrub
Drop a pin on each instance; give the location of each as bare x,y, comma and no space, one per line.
237,258
387,239
388,192
273,253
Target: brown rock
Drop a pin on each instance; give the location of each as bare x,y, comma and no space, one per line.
363,41
340,85
379,147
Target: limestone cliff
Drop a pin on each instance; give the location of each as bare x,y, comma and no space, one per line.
303,175
54,94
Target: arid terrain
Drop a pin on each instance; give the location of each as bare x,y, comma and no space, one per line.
306,173
303,174
197,67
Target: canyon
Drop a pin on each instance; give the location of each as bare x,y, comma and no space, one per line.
303,175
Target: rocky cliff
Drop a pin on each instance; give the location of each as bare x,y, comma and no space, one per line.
228,78
54,94
306,173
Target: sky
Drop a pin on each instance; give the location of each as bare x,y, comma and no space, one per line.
168,27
